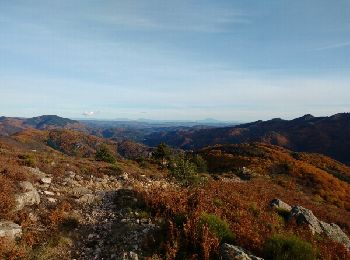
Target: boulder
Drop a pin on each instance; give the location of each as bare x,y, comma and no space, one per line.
10,230
280,205
230,252
305,216
332,231
29,196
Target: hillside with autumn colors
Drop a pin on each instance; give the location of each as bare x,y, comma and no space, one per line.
11,125
325,135
67,194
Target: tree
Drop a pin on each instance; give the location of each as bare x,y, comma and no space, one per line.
105,155
162,154
182,169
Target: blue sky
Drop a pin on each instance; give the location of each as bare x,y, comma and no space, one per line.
230,60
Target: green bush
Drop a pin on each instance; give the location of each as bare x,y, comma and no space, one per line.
183,170
218,227
200,163
115,170
105,155
162,154
28,160
282,247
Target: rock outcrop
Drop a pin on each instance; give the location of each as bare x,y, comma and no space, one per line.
306,216
280,205
332,231
230,252
29,196
10,230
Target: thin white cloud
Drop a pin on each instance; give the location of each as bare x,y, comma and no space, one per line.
90,113
134,15
334,46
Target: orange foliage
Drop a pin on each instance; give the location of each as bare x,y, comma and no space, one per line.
244,205
319,174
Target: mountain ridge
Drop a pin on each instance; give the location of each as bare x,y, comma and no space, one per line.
326,135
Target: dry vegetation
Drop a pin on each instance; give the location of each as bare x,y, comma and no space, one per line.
322,176
244,206
195,219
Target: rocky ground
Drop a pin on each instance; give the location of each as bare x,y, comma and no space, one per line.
106,220
110,221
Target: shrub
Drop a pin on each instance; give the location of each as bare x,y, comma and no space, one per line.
217,226
200,163
162,154
105,155
282,247
28,160
183,170
115,170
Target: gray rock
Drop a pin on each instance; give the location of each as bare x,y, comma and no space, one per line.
80,191
28,197
35,171
87,198
46,180
10,230
332,231
280,205
305,216
230,252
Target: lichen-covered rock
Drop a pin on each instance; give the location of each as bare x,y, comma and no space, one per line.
29,196
305,216
230,252
10,230
333,231
280,205
36,172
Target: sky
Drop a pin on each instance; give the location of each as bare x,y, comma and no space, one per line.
236,60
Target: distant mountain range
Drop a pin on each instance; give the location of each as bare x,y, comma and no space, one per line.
326,135
11,125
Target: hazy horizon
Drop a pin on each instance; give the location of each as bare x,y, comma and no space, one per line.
182,60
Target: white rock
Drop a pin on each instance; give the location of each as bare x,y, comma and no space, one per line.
46,180
10,230
52,200
28,197
49,193
230,252
36,172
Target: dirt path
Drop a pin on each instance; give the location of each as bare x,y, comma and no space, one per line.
114,226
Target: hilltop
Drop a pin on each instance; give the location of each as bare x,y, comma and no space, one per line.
325,135
11,125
